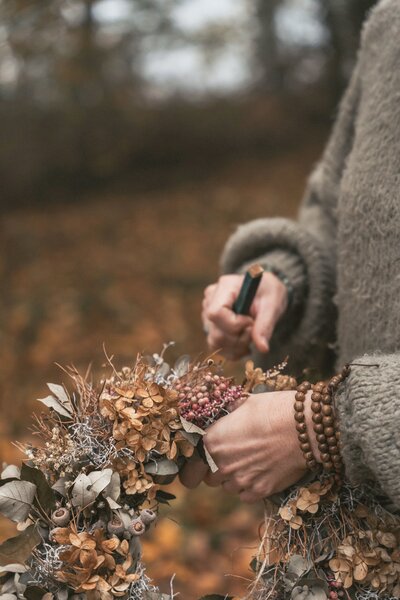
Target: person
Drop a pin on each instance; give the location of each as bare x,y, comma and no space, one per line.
330,293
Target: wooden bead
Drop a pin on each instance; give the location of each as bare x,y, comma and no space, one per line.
328,466
303,437
308,455
327,410
301,427
321,439
327,421
300,396
315,407
304,387
329,432
326,399
325,457
331,441
299,416
305,447
312,464
316,397
317,418
337,435
318,387
298,406
319,428
334,451
323,447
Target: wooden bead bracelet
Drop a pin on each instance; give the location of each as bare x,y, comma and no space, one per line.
324,425
301,426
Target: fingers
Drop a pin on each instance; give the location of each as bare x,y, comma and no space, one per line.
193,472
270,305
217,305
264,324
232,347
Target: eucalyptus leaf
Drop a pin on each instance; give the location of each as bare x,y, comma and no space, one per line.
181,366
113,489
60,486
191,427
298,565
11,472
59,392
52,402
305,592
112,504
163,471
125,517
13,568
16,499
44,494
82,492
100,480
161,467
19,548
163,370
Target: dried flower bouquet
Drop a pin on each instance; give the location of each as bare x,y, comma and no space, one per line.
91,488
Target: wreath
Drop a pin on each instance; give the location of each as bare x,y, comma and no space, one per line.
91,488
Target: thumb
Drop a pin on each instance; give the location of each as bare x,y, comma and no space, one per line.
264,325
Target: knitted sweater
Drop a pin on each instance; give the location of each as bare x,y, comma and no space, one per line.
342,257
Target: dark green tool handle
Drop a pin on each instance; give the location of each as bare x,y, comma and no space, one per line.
252,280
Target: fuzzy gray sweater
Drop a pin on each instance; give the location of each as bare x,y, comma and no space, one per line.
342,257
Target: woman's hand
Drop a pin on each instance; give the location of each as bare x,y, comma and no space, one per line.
255,447
231,333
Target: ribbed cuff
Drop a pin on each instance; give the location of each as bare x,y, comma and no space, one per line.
368,405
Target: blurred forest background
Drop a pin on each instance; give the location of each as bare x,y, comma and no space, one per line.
136,134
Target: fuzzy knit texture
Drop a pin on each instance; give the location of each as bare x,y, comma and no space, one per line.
342,256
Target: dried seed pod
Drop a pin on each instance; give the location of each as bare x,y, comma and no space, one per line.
61,517
147,516
137,527
116,526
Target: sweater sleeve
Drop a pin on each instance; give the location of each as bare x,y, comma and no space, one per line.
368,405
305,250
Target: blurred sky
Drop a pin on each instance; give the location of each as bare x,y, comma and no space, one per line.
187,68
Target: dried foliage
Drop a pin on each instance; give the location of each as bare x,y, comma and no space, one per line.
92,487
331,543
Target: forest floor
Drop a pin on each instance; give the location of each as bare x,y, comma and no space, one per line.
127,271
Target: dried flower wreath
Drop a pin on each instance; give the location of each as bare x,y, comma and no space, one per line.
86,494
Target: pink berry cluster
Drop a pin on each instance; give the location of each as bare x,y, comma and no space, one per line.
335,588
204,401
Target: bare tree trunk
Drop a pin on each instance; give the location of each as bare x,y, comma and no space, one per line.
267,47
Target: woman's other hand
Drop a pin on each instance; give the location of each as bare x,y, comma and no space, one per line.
231,333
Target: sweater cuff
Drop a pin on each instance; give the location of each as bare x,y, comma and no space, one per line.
368,407
303,259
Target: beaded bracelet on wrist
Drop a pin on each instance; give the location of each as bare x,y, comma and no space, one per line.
324,425
301,426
